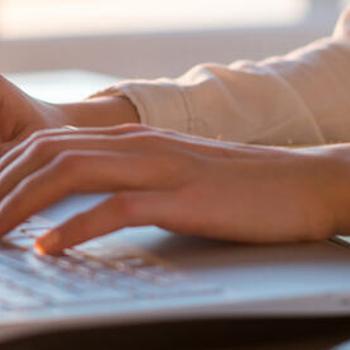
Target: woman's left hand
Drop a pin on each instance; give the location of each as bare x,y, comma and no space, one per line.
177,182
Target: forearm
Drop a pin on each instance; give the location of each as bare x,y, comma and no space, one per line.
300,98
99,112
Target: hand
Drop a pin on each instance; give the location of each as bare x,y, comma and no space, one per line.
177,182
21,115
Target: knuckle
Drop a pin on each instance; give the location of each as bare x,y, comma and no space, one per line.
40,147
38,134
68,161
45,146
66,171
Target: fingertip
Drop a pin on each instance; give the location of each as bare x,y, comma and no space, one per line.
49,244
39,249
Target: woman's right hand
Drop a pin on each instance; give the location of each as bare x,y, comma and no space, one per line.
184,184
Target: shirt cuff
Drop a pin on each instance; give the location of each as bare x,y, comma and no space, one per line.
153,99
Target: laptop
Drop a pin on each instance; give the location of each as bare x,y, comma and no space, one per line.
147,274
142,274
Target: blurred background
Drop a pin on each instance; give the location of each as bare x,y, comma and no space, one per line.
139,38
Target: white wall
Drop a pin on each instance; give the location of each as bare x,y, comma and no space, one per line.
155,54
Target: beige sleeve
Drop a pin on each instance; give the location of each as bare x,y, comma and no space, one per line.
300,98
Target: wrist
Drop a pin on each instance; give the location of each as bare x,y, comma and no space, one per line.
98,112
51,114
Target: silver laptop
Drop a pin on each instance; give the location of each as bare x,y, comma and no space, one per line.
142,274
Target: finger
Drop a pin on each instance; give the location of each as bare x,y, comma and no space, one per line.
20,147
44,150
74,172
39,150
122,210
6,147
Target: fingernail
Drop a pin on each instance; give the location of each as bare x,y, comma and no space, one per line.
38,249
48,243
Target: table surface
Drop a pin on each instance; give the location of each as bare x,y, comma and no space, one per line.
74,85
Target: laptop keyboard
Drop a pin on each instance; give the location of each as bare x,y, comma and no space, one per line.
29,281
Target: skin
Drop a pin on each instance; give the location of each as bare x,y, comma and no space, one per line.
186,184
21,115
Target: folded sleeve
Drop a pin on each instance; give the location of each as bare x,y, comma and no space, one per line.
300,98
